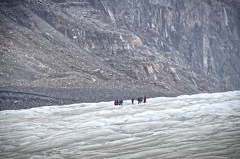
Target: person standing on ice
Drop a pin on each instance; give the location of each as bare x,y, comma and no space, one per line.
132,100
144,99
139,100
121,102
116,102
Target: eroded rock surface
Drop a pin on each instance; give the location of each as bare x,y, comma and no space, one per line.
168,47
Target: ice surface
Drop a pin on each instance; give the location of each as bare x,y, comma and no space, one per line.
195,126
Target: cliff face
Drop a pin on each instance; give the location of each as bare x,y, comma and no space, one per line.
175,46
202,36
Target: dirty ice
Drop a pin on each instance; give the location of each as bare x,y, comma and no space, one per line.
188,126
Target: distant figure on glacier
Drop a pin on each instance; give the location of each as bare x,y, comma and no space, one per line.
116,102
132,100
144,99
139,100
120,102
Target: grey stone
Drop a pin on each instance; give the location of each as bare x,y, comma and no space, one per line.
167,47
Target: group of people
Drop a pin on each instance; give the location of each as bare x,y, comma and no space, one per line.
139,99
118,102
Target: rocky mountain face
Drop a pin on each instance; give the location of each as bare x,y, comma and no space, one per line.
117,48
